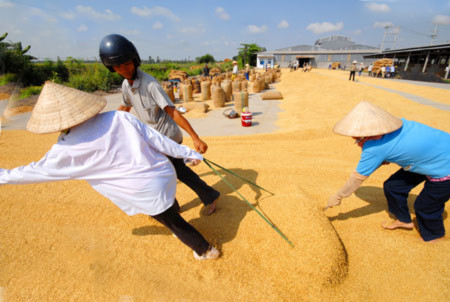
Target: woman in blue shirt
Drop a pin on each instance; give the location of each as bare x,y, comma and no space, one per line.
422,152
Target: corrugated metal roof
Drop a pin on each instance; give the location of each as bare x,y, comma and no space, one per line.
445,46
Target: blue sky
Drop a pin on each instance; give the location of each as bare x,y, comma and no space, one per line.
188,29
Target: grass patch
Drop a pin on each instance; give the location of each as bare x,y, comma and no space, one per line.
29,91
7,78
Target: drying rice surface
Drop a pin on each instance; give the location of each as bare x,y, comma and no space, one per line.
63,241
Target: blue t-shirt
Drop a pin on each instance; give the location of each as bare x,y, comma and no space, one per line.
415,147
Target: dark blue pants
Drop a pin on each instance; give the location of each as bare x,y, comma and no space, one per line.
428,206
206,193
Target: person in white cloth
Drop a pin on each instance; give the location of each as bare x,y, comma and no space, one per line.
119,156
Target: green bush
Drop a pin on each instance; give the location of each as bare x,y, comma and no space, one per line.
7,78
29,91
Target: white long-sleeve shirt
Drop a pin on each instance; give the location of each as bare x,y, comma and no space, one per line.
120,157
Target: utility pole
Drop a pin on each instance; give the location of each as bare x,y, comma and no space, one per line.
390,31
433,35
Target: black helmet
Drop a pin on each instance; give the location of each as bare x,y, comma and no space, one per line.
116,49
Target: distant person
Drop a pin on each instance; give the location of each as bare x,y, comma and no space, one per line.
388,71
247,71
329,67
143,92
120,157
352,71
392,71
291,66
206,70
383,72
369,69
235,70
422,152
361,68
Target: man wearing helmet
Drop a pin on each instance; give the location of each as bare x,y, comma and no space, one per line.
152,105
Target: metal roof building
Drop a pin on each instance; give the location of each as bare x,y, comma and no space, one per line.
432,59
324,52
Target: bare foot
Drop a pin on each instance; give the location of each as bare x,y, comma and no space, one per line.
211,208
397,224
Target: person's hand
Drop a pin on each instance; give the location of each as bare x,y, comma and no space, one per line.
200,146
333,201
194,162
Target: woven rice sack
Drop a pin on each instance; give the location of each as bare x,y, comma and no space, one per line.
218,96
178,74
228,76
196,106
240,100
252,78
206,90
226,86
180,90
268,78
196,86
169,91
263,84
187,93
244,85
256,87
214,71
272,95
236,86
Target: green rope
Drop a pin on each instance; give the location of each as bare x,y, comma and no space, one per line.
231,172
249,204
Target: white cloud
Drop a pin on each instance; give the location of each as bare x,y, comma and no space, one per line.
133,32
253,29
108,15
379,8
40,13
358,32
4,3
441,20
155,11
193,29
157,25
222,14
82,27
283,24
379,24
325,27
67,15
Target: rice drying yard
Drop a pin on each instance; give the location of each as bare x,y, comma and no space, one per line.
65,242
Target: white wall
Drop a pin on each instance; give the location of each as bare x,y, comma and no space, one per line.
262,62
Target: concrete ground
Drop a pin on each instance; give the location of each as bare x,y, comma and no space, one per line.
214,124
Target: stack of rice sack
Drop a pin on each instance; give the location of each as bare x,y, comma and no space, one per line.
335,65
214,71
381,63
178,74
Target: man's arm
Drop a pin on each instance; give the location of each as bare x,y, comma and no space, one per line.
199,145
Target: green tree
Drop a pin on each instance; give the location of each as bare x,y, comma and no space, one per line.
248,53
208,58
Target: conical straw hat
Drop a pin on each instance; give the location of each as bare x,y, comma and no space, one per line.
60,107
367,119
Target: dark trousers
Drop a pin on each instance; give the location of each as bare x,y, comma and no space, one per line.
352,73
206,193
428,206
183,230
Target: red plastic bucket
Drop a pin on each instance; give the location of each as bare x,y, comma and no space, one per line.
246,119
